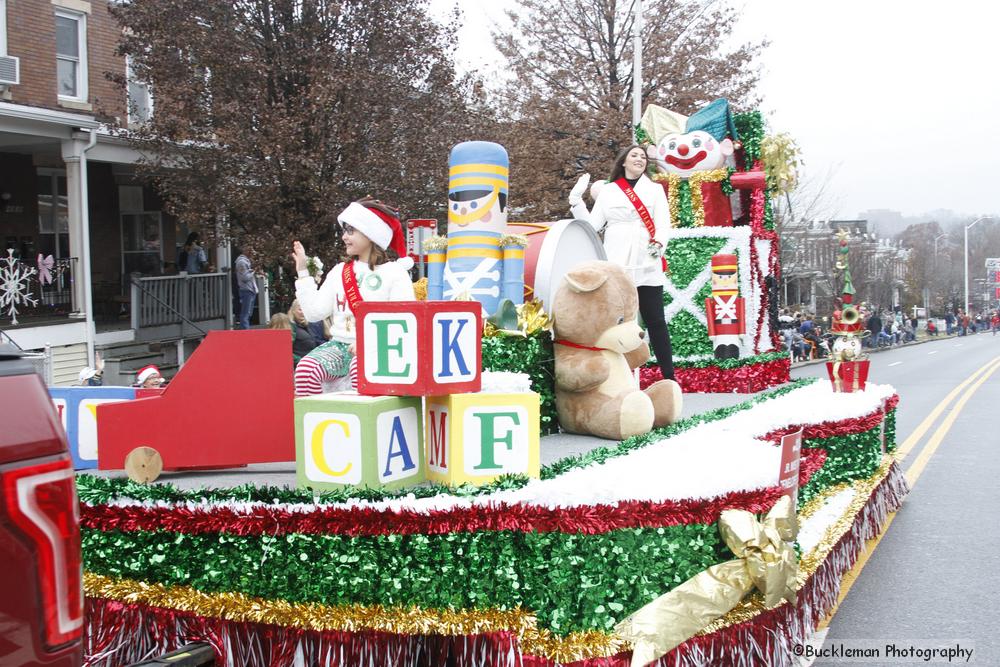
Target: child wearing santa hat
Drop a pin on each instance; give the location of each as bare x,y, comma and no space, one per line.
377,270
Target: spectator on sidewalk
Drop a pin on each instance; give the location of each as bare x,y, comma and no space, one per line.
932,329
797,345
875,329
247,282
995,321
949,323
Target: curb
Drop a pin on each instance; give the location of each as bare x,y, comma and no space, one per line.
813,362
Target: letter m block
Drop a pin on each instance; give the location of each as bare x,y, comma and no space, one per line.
343,439
419,348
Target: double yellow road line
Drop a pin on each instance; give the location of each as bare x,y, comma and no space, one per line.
969,386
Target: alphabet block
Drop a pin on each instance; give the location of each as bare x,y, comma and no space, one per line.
477,437
77,408
419,348
344,439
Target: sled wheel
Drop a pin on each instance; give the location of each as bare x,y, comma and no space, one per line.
143,465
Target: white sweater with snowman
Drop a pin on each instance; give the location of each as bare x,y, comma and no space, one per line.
387,282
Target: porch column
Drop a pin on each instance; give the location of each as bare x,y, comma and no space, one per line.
72,149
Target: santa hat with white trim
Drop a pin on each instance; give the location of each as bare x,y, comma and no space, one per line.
145,373
384,230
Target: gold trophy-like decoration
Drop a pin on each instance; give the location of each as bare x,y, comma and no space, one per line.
848,367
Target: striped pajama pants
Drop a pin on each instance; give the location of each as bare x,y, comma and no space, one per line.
311,378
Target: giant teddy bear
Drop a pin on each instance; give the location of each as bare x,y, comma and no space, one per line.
598,345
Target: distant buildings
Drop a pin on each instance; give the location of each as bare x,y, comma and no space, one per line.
810,280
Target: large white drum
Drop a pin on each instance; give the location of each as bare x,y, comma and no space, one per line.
554,248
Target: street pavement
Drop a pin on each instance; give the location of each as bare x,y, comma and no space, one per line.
934,577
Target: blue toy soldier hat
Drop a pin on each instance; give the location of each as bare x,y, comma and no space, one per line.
714,119
478,165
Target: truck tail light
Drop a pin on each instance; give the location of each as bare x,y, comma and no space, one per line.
41,502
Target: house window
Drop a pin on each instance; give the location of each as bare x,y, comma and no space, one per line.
142,248
140,100
71,55
3,27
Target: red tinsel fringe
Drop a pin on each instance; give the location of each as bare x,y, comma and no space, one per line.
714,380
358,521
842,427
117,634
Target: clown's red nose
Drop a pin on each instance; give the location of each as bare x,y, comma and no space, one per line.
682,149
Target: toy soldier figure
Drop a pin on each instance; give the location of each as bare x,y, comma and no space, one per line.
724,309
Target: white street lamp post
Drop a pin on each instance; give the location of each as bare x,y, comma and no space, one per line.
637,66
965,307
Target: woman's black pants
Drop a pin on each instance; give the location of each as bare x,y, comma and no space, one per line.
651,309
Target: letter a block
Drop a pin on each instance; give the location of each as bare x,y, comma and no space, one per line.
419,348
343,439
476,438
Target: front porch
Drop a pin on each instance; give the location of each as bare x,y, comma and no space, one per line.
95,252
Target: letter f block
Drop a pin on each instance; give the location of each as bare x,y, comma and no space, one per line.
475,438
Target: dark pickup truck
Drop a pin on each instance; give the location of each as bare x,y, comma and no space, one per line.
41,576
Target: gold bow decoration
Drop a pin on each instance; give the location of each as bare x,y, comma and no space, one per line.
764,560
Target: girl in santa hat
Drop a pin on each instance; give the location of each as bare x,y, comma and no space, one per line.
377,270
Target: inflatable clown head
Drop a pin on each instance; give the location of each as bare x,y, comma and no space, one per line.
477,187
684,154
705,143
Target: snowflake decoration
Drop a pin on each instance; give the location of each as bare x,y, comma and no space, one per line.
14,285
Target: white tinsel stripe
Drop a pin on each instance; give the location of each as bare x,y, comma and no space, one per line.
812,529
706,461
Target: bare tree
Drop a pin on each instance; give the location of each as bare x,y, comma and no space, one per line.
568,104
270,114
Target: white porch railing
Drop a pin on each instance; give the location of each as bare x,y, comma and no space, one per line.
175,300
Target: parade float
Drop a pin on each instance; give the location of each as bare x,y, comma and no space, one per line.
426,530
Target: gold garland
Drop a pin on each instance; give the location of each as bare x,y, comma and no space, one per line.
697,201
242,608
420,289
436,243
507,240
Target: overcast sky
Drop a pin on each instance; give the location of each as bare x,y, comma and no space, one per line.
898,101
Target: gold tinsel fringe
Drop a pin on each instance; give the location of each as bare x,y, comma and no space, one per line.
697,201
352,618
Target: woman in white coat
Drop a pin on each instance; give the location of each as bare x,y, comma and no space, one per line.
633,212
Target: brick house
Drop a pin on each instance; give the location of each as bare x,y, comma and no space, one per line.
68,190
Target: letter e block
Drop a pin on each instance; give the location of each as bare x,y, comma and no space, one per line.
475,438
419,348
344,439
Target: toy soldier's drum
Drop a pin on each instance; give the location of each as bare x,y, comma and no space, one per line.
554,248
